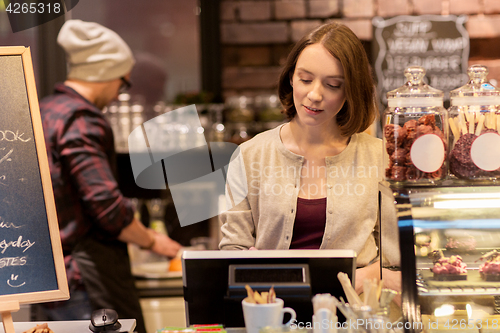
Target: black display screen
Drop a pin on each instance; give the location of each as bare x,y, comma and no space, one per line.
268,275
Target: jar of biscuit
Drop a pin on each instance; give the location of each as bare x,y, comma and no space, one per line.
474,123
414,131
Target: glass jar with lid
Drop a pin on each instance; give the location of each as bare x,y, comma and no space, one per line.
415,132
474,123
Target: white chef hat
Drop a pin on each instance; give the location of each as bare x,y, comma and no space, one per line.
93,52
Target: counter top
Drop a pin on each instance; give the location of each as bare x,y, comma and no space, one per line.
160,287
75,326
154,280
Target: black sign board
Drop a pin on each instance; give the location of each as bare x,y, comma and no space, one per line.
438,43
31,260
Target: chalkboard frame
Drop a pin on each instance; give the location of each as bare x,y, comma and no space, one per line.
62,291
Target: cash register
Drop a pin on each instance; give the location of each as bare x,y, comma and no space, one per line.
214,281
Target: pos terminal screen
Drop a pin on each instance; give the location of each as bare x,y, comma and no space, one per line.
268,274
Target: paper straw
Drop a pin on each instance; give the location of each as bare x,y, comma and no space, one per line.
471,123
480,125
453,128
461,121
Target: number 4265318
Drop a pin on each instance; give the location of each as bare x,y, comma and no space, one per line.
456,324
33,8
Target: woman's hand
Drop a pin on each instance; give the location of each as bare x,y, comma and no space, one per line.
253,248
368,272
391,279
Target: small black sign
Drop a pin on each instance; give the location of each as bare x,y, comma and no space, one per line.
438,43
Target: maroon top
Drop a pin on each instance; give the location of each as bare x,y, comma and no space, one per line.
309,225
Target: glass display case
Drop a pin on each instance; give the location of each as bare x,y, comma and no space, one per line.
449,238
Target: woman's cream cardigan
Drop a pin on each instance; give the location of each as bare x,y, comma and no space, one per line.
263,185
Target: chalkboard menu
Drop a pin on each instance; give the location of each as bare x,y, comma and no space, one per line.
31,260
438,43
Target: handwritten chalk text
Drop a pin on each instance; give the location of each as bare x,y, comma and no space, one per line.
10,136
7,225
4,245
12,261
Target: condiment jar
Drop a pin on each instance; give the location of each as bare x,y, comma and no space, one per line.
415,135
474,123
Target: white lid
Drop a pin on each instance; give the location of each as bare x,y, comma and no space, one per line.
478,91
415,92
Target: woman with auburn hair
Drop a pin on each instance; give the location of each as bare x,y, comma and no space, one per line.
359,111
312,183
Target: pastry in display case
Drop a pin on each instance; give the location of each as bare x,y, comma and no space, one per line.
490,269
448,268
453,285
460,245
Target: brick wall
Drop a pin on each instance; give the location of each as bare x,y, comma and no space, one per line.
256,35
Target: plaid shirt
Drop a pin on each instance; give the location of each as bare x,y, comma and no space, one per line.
81,156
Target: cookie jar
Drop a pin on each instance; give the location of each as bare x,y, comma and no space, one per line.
474,123
415,132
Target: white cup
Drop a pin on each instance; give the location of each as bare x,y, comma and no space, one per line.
324,321
258,316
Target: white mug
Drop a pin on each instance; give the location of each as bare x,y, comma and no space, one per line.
324,321
258,316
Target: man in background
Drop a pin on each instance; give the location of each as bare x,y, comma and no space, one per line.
96,222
